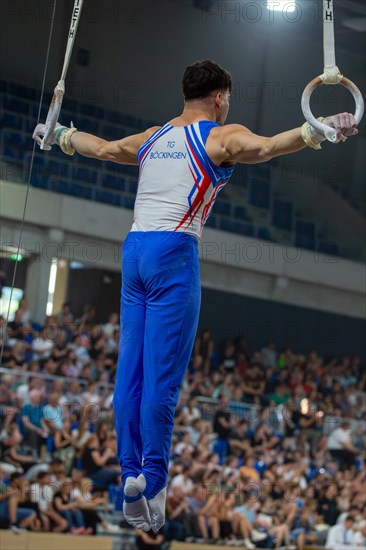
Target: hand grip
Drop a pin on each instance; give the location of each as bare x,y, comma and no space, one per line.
324,129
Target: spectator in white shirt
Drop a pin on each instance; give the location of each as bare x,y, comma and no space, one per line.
91,395
341,447
343,537
183,481
42,346
54,413
42,492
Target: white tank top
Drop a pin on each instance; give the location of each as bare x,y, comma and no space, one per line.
178,182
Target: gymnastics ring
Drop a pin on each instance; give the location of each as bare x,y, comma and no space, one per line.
324,129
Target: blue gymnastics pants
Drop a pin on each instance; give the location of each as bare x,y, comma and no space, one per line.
159,315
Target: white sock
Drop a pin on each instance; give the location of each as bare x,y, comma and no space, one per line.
136,513
157,510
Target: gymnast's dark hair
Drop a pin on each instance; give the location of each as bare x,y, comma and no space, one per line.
204,77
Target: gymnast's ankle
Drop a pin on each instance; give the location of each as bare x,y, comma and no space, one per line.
134,486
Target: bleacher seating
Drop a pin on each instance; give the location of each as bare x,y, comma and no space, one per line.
305,234
260,193
333,249
282,214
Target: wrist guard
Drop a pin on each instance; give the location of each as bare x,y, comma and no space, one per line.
63,138
312,137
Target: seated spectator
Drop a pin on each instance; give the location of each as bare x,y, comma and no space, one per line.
21,488
65,443
12,514
94,462
301,531
91,395
13,453
42,345
177,509
195,503
341,447
69,509
342,536
254,385
208,519
145,541
32,423
183,481
42,493
222,427
53,413
72,399
238,438
81,435
195,431
248,471
88,502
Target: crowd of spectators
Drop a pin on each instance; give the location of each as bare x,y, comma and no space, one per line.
268,445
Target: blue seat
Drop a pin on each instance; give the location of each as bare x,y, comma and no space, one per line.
84,174
305,234
81,191
128,202
115,494
131,171
240,176
211,222
113,181
91,110
244,229
226,225
222,207
132,187
260,193
88,125
130,122
10,153
264,233
61,186
262,171
69,104
241,213
331,248
13,138
108,197
57,168
221,447
39,180
23,91
39,160
33,112
11,120
282,214
16,105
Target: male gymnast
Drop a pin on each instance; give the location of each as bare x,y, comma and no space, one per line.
182,167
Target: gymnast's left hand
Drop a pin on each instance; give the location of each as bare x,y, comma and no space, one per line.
40,131
344,124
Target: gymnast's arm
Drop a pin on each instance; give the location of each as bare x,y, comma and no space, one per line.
236,143
122,151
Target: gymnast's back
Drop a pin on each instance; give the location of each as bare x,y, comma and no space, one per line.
178,182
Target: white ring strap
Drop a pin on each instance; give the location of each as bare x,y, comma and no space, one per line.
56,102
331,75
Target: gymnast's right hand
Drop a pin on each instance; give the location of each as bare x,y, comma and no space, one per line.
40,131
